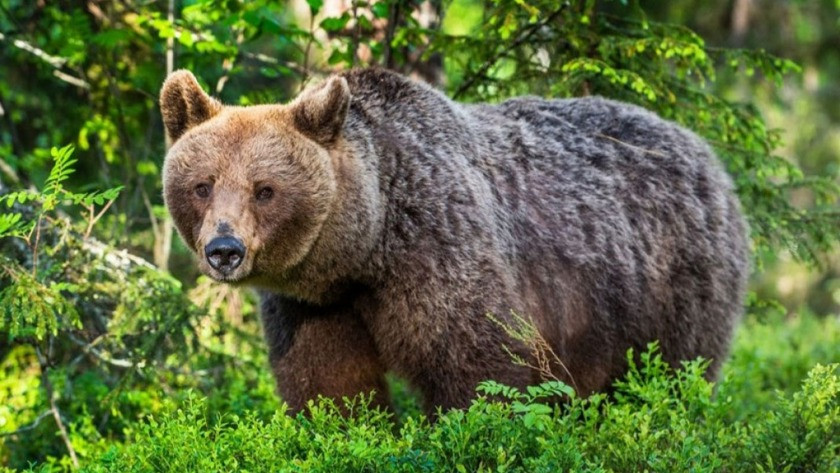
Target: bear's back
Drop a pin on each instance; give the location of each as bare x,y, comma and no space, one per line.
627,214
611,226
596,172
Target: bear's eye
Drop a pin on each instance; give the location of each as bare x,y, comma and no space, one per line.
265,193
202,190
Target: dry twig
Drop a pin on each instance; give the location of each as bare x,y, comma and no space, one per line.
48,388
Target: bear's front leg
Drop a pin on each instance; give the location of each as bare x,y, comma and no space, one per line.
324,351
439,336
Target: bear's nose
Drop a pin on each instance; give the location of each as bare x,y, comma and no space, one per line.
224,253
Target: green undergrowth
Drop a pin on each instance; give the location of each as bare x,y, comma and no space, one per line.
777,408
655,422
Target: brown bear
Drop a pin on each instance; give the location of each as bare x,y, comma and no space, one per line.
382,223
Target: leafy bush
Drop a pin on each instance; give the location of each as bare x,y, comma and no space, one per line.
657,421
773,410
91,338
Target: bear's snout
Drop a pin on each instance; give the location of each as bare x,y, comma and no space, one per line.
225,253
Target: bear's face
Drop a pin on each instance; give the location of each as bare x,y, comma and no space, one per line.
249,188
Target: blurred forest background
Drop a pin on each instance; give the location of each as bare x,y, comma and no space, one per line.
103,317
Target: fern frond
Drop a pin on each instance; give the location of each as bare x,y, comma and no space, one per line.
62,169
96,198
20,197
11,225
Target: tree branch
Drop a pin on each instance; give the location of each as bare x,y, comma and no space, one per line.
305,72
55,61
29,427
227,63
357,29
524,36
170,41
62,430
390,29
88,348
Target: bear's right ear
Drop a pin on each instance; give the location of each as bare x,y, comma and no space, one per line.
184,104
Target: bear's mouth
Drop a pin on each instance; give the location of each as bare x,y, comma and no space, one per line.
228,278
235,276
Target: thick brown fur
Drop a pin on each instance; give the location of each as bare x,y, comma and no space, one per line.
398,219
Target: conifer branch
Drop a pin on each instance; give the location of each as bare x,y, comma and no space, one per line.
524,36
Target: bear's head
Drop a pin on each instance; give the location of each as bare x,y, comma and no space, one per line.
249,188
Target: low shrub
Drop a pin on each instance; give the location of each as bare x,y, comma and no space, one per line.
657,420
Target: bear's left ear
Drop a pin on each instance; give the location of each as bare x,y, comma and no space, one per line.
184,104
319,112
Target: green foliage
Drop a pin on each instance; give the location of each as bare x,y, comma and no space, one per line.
658,421
769,353
33,309
147,370
95,325
805,428
534,413
53,194
33,304
10,224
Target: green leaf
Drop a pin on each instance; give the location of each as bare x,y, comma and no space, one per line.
315,6
186,38
380,9
333,24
